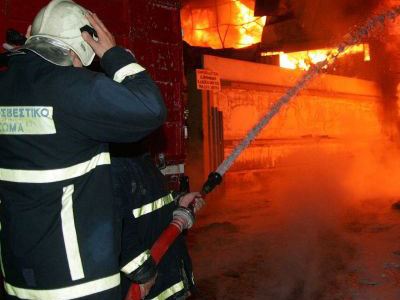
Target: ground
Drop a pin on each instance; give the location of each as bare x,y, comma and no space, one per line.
259,238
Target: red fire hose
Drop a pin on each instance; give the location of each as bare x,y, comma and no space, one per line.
158,250
169,235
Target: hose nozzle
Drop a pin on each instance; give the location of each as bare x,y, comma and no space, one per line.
213,180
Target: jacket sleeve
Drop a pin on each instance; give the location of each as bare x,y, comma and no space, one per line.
125,111
136,260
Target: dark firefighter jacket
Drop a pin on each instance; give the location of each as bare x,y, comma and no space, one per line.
146,210
58,233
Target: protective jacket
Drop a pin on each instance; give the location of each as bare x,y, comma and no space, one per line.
59,238
146,210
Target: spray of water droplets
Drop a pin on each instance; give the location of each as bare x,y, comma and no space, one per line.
350,39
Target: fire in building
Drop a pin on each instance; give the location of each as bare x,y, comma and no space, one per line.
241,149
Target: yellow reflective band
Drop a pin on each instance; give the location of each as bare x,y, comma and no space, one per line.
136,262
171,291
67,293
70,235
48,176
1,260
2,264
149,208
128,70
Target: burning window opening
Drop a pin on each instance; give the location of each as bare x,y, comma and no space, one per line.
226,24
303,60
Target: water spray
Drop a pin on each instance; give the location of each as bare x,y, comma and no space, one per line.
215,178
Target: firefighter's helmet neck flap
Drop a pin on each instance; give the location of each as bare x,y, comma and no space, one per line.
56,30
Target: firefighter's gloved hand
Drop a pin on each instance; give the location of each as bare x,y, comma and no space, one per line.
192,201
184,215
146,287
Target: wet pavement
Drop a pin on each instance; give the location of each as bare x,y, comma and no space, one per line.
295,235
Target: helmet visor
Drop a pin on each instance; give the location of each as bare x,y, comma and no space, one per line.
51,50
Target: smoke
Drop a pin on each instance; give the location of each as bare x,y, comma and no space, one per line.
325,18
316,200
375,172
333,19
385,53
311,198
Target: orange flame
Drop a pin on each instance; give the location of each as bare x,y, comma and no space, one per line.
305,59
224,25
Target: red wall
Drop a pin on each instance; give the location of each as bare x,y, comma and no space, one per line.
151,28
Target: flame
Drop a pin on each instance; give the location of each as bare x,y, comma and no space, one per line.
252,27
224,25
305,59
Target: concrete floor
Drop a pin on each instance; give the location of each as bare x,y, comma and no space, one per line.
297,234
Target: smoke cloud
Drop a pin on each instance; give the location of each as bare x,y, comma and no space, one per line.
316,200
385,49
325,18
311,198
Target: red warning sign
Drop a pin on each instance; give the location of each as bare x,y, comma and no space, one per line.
208,80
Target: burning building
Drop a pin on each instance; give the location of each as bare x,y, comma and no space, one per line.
288,40
221,24
297,200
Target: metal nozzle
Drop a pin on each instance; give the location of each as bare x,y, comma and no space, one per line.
213,180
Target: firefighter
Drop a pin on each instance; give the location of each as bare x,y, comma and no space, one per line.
147,208
59,234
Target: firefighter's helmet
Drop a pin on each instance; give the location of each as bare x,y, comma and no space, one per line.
57,29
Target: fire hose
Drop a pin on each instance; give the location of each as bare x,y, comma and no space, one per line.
173,230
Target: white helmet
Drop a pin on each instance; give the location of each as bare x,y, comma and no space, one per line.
57,29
